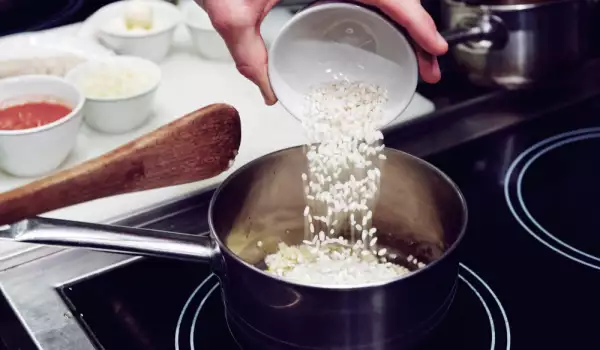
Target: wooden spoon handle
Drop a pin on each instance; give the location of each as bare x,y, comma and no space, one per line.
195,147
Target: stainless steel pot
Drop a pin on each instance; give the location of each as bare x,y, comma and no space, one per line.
515,43
420,212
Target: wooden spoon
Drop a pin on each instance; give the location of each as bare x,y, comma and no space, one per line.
195,147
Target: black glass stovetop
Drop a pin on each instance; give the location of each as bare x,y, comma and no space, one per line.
530,272
33,15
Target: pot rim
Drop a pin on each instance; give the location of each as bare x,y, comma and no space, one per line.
508,8
223,247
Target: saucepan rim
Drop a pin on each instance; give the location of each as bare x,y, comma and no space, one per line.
223,247
507,7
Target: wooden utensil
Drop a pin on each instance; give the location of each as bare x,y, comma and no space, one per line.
195,147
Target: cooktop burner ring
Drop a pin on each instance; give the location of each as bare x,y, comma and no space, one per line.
204,284
496,301
513,182
495,312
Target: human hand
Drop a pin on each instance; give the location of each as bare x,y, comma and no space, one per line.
421,27
238,22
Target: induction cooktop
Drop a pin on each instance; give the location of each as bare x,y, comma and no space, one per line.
529,276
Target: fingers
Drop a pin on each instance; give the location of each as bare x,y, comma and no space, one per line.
413,17
200,3
240,28
429,67
268,6
250,55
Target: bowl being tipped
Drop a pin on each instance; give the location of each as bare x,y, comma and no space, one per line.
342,41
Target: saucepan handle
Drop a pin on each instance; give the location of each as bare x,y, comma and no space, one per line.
460,35
111,238
477,28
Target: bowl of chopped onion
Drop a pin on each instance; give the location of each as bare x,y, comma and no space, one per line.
140,28
119,92
335,45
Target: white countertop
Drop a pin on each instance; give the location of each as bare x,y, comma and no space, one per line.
189,83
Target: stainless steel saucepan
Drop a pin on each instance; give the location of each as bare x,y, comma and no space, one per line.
420,212
513,43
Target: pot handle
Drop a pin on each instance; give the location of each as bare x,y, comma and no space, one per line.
484,27
117,239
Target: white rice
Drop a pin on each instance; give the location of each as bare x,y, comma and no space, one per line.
343,175
108,81
330,265
341,187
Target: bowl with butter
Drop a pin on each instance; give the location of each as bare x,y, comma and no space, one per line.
142,28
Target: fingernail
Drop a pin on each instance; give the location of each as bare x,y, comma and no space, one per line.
441,39
268,97
270,100
266,90
436,72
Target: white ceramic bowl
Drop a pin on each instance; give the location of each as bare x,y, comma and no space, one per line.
153,45
273,23
118,115
334,41
209,43
37,151
205,38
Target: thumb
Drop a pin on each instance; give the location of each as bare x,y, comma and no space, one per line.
250,55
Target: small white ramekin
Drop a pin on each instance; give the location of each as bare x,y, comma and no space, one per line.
38,151
204,37
118,115
154,45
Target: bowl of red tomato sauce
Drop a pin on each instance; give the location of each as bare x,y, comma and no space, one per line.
40,117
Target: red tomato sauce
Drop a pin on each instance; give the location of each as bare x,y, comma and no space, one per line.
31,115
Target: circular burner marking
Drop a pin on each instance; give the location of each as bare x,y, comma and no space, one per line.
487,311
461,276
496,300
537,150
185,307
214,287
